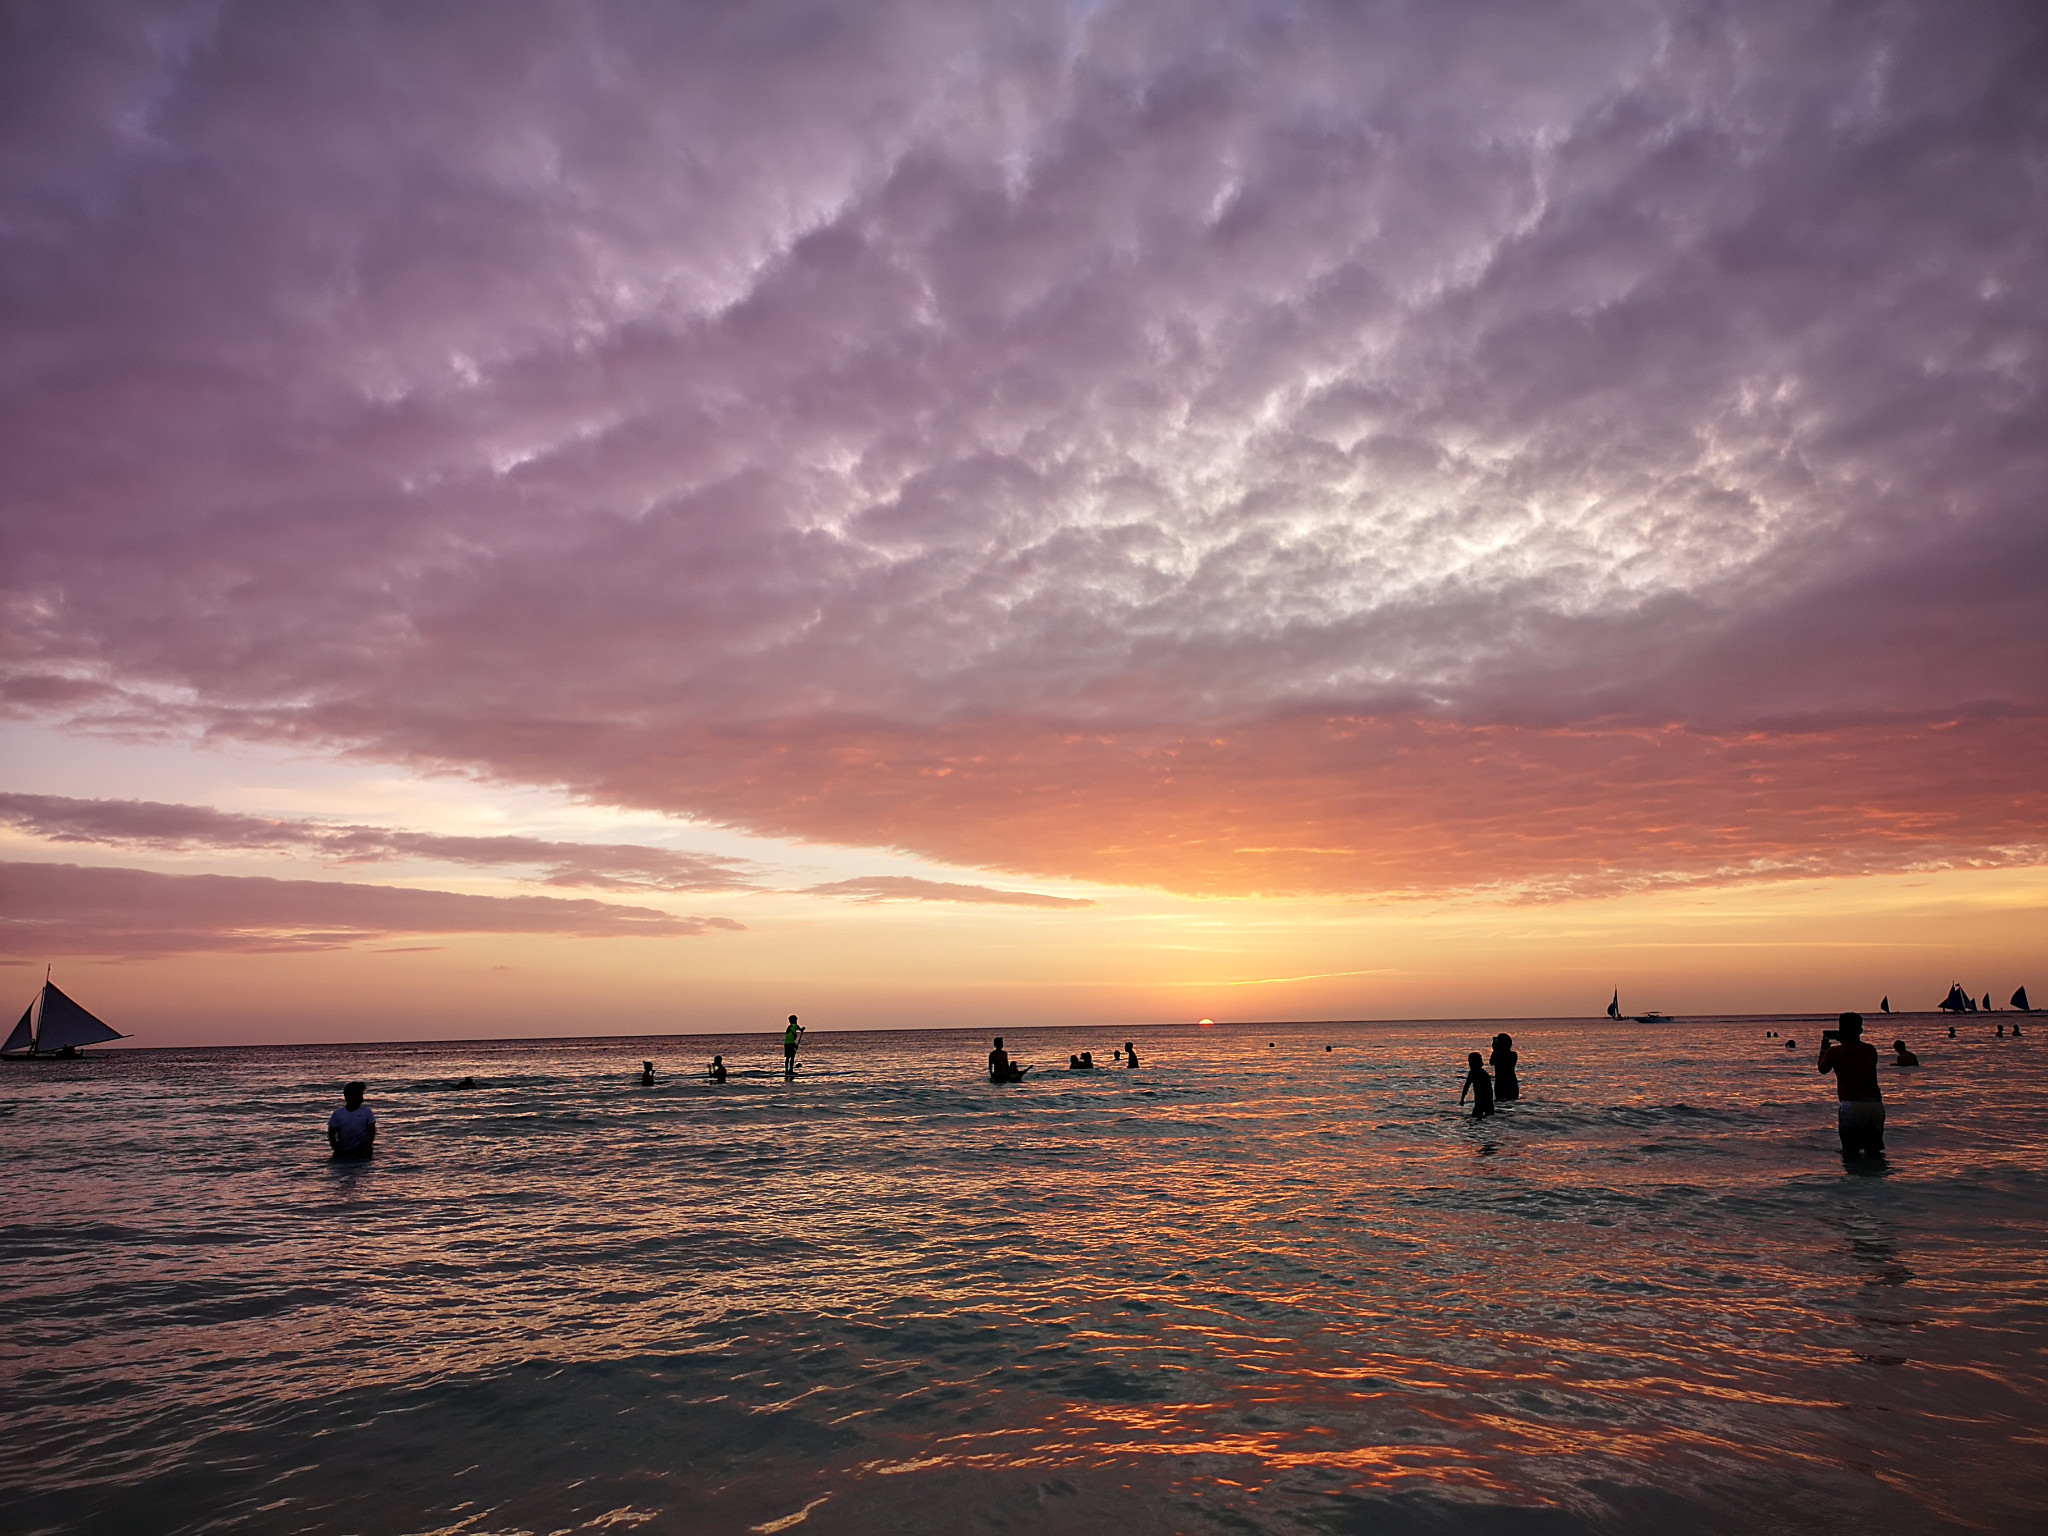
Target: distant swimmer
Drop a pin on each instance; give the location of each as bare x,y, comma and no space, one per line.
1479,1085
2001,1031
2016,1032
647,1074
1951,1031
1859,1106
1505,1084
790,1037
1085,1062
716,1071
1000,1068
1791,1045
467,1082
1906,1057
352,1129
1130,1055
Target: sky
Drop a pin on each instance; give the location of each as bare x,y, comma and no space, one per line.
538,519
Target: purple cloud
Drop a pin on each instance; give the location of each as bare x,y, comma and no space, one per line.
907,888
154,824
68,909
807,415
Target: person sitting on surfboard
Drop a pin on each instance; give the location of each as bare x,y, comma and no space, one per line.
352,1129
716,1071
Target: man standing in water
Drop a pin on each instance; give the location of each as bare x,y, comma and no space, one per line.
352,1129
1859,1112
790,1037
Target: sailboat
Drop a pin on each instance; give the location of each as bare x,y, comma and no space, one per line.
1987,1002
52,1028
1956,1001
1652,1017
2019,1001
1886,1005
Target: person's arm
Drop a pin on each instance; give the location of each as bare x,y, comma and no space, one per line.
333,1136
370,1135
1824,1062
1465,1088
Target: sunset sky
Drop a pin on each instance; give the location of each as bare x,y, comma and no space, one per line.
566,519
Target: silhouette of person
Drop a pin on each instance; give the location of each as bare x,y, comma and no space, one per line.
2016,1032
467,1082
1505,1084
352,1129
1951,1031
1906,1057
1859,1106
647,1074
790,1037
2001,1031
1130,1055
716,1071
1000,1068
1479,1085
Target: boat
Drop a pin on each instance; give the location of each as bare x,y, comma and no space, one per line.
1652,1017
1885,1006
2019,1001
1987,1002
1957,1000
54,1028
1614,1008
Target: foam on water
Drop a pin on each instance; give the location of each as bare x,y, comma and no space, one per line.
1252,1286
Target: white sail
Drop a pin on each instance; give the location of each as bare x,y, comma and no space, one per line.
22,1038
66,1024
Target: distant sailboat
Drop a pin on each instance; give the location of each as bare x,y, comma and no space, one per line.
1987,1002
2019,1001
52,1026
1886,1005
1956,1001
1614,1008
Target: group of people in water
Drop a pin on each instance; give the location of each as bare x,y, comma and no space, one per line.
352,1129
1502,1085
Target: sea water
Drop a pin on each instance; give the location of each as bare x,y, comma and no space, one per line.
1273,1281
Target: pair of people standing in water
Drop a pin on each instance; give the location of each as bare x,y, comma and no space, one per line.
1503,1085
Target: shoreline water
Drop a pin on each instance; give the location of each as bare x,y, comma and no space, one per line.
1244,1288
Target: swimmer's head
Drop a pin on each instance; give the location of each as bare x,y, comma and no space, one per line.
999,1042
1504,1042
1851,1025
1473,1057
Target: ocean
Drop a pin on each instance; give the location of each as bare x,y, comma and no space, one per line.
1272,1281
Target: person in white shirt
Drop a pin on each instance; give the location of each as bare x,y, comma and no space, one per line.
352,1129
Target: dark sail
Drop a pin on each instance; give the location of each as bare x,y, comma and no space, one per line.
2019,1001
1614,1008
1955,1002
64,1024
1886,1005
22,1038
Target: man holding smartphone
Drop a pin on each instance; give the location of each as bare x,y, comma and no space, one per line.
1859,1112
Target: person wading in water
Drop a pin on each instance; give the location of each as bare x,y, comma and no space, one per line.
1859,1108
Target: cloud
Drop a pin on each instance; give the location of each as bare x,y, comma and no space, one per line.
907,888
157,825
68,909
930,425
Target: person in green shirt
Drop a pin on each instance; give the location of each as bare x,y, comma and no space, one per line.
790,1037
